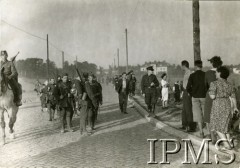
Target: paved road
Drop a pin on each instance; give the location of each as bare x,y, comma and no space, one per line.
119,141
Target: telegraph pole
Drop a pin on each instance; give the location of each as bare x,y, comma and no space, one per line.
47,59
196,30
114,64
62,59
126,50
118,59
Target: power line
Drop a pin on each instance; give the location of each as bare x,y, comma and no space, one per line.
23,30
131,16
33,35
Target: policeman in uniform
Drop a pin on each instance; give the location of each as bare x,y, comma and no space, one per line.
149,86
10,73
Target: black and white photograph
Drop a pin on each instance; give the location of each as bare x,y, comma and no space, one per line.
119,84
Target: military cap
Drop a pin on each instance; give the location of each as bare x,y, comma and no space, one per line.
150,68
130,72
4,52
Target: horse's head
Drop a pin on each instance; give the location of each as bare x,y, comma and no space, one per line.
3,84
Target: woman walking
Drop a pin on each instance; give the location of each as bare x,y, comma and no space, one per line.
210,76
221,91
164,84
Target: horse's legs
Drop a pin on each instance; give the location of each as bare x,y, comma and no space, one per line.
3,125
12,119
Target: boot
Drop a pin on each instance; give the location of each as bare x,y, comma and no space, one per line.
213,137
153,110
19,95
69,124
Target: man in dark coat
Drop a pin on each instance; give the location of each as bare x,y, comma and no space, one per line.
123,91
187,113
97,95
177,92
149,86
65,103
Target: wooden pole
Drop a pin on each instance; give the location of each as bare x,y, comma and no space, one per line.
47,59
118,59
196,30
126,50
62,59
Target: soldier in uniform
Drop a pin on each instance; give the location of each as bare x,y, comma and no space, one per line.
65,103
85,104
57,93
149,86
51,99
97,95
10,73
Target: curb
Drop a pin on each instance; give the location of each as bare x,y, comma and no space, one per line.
171,130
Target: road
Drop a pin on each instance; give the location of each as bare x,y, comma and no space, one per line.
119,141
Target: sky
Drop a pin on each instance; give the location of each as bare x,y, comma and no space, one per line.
92,30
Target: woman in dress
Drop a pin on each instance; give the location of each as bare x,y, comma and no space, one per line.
210,76
164,84
221,91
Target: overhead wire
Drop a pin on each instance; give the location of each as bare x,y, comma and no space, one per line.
33,35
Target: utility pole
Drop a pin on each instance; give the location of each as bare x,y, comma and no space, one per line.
114,64
196,30
47,59
62,59
118,59
126,50
76,66
76,60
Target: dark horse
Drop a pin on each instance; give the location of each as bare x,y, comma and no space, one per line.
7,105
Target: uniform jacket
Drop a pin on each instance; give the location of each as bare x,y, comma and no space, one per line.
9,69
146,83
97,90
65,98
51,94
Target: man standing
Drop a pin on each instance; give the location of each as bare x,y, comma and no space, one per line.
51,99
177,92
65,103
197,90
10,73
97,96
132,86
149,86
187,114
123,91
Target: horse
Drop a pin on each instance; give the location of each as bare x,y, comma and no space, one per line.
7,105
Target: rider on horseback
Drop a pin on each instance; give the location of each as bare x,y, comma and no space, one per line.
11,75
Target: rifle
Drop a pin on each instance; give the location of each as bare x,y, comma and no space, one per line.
79,74
88,89
13,58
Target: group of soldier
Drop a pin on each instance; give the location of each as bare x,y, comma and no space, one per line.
81,96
